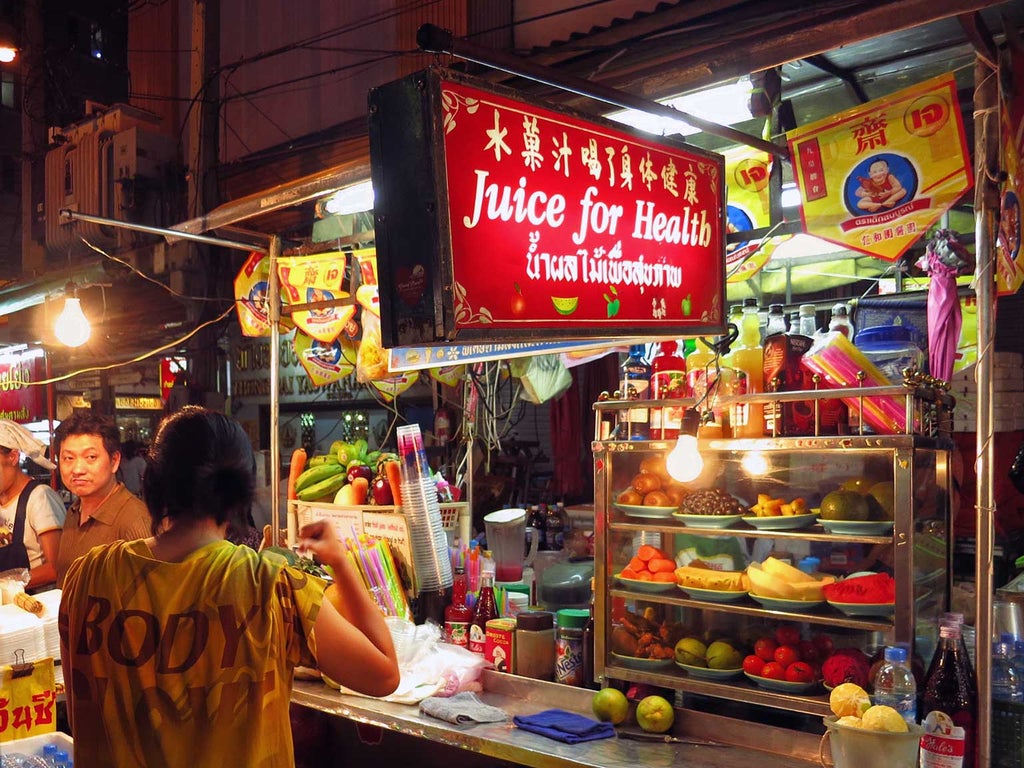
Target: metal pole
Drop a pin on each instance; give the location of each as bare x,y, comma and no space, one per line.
170,234
985,195
274,298
437,40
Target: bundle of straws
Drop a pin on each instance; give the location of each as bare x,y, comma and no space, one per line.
376,565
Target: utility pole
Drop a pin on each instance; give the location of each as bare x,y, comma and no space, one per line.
201,160
33,137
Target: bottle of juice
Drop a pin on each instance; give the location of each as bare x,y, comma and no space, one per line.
746,359
702,375
668,382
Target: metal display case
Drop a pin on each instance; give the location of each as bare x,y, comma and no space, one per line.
914,549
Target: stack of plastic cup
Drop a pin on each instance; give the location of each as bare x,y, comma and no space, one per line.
419,503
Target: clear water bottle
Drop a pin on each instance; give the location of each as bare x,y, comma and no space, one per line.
1018,660
1005,683
895,686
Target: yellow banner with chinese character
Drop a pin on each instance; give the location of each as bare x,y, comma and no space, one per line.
876,177
28,699
746,173
1009,259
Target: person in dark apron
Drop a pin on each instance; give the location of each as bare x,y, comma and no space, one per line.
31,513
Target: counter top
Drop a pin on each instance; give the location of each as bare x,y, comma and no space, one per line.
519,696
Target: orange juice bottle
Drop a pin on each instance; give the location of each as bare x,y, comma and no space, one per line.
702,380
746,359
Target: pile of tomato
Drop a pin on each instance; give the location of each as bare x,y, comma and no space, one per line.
785,655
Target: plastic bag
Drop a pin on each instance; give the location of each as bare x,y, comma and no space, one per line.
11,583
543,377
429,666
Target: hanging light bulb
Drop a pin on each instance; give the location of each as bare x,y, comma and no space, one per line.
684,462
72,328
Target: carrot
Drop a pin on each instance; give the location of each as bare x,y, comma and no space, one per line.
394,475
361,487
294,470
646,552
664,576
629,573
637,565
661,565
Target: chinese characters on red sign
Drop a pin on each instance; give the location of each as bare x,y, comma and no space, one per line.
560,222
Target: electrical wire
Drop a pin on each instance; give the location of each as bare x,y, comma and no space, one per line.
144,276
136,359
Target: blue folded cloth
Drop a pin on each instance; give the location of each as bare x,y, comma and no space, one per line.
564,726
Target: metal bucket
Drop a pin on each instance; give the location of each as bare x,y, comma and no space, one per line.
856,747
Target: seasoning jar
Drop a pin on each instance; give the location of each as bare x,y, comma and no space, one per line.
569,645
535,645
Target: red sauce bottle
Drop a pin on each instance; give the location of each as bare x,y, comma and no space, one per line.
457,614
486,609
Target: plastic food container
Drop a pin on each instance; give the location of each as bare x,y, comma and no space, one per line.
891,348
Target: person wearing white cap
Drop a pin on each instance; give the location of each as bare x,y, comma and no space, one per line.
31,513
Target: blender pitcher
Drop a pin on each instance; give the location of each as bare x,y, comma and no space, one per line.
506,538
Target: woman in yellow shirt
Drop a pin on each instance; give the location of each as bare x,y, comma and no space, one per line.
179,649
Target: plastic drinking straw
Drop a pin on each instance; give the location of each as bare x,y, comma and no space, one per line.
379,574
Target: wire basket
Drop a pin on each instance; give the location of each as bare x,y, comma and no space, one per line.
1007,735
450,516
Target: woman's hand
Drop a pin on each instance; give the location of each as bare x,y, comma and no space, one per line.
318,538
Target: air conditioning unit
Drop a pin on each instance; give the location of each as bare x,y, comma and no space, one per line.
100,169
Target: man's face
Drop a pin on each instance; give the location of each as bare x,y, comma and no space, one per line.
85,466
9,469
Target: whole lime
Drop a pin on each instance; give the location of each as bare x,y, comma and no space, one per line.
610,706
654,714
692,652
844,505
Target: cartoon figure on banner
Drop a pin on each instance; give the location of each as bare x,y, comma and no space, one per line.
880,183
328,353
259,296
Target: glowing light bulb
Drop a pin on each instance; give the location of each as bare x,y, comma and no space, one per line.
755,463
7,54
684,462
72,327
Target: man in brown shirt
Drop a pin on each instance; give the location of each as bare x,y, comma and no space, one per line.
88,455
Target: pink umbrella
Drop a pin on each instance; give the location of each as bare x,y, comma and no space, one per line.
944,259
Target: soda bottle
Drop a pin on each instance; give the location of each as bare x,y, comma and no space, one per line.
776,320
635,384
950,688
746,359
668,382
895,685
841,321
485,610
554,528
1006,686
537,521
457,614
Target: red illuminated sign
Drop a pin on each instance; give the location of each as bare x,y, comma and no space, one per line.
20,400
549,224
